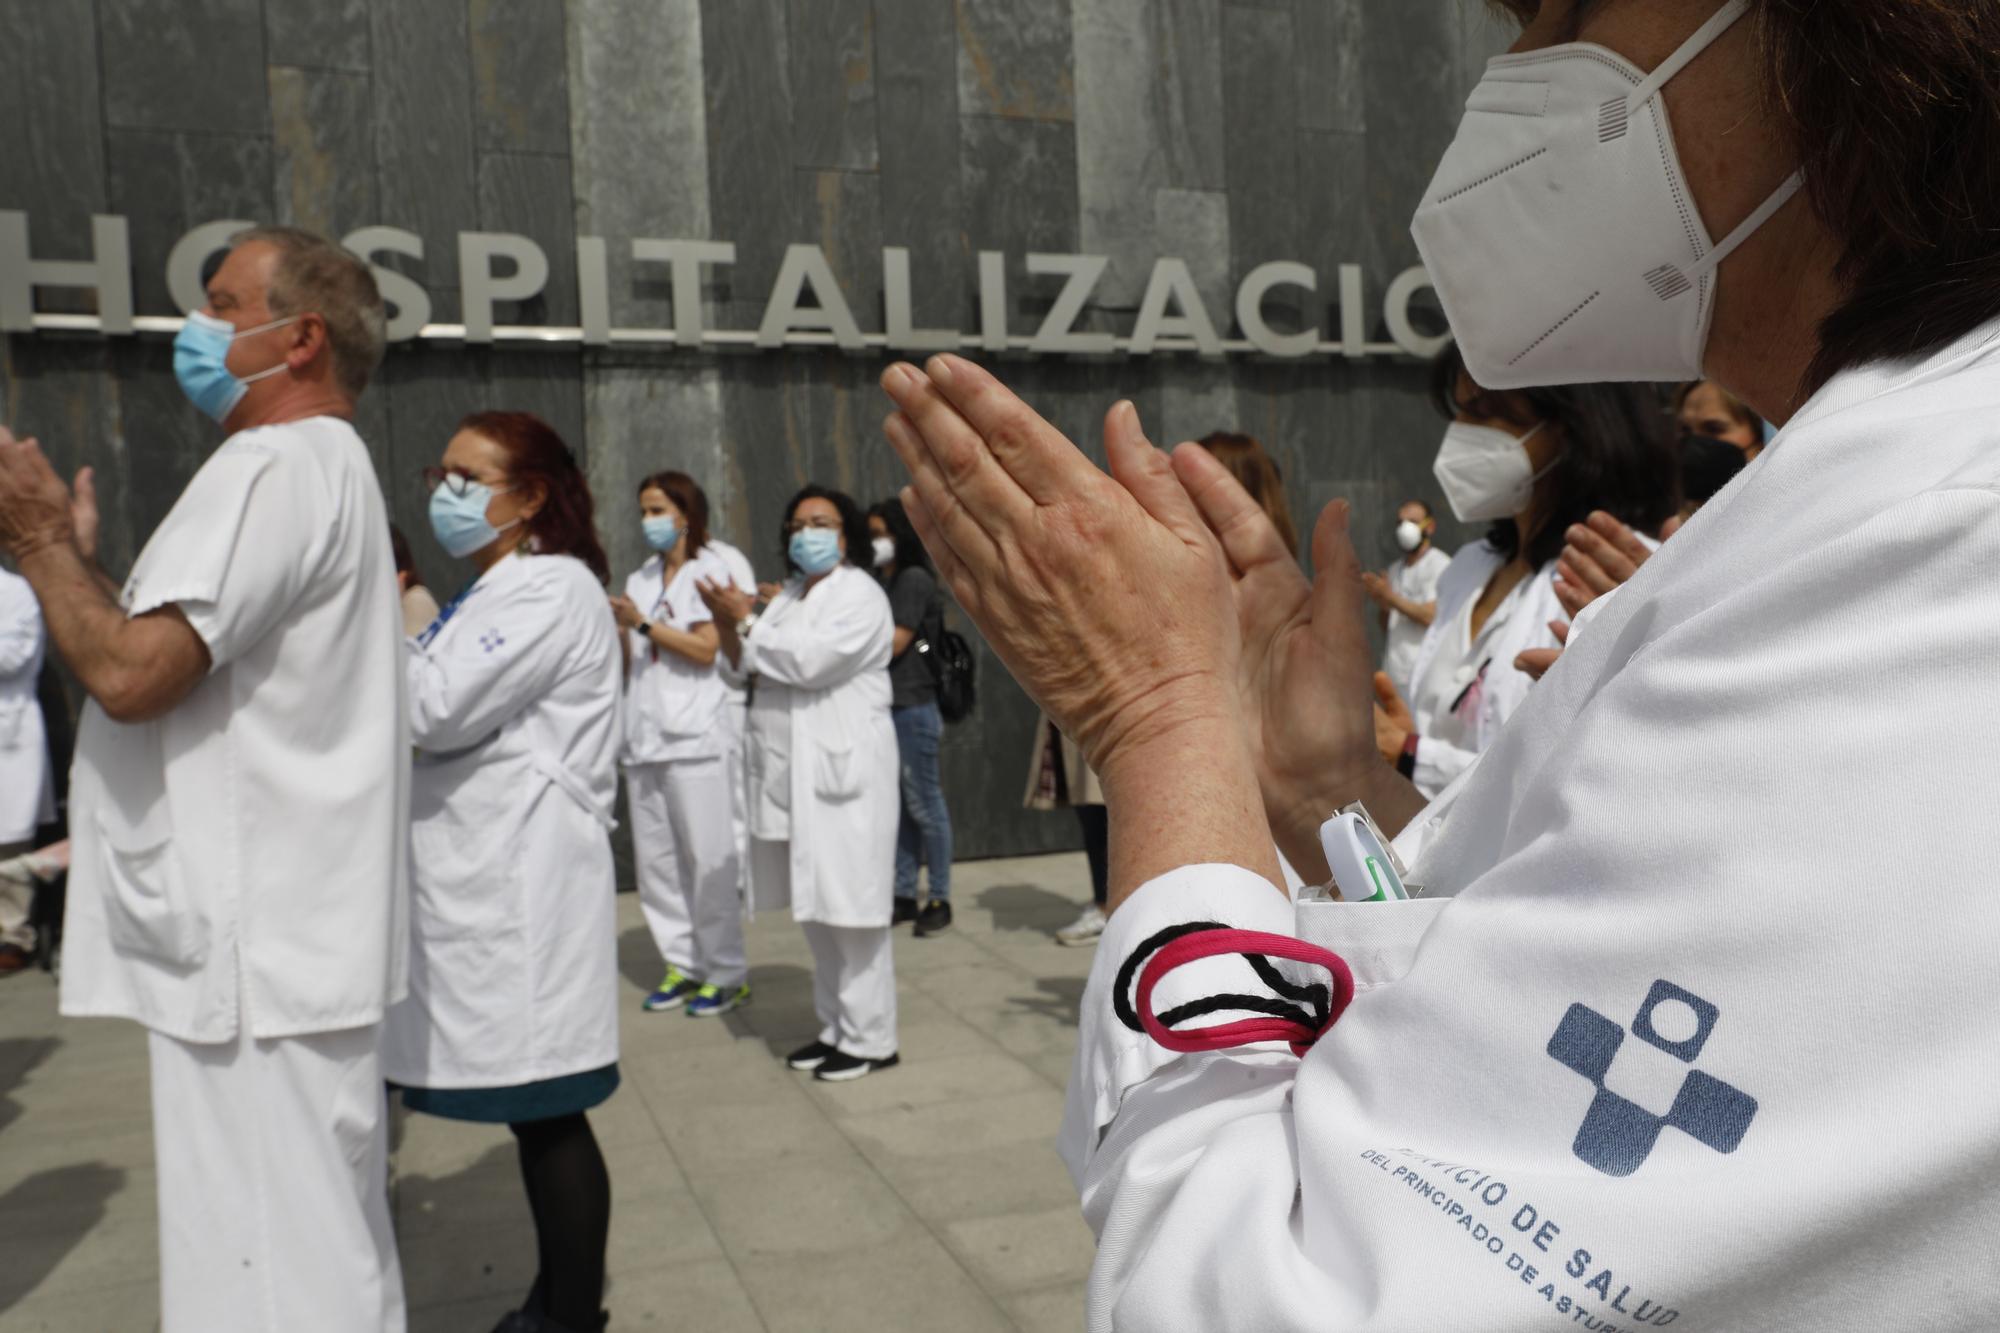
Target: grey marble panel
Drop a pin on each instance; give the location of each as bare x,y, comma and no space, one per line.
841,211
642,416
1329,62
747,99
425,160
1149,116
1194,225
1336,227
1015,59
184,64
916,78
541,380
52,158
519,80
1020,195
61,393
1260,113
322,149
831,44
168,183
1196,398
529,193
162,438
1413,107
323,34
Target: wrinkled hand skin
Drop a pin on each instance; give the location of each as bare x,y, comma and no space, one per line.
35,507
1105,596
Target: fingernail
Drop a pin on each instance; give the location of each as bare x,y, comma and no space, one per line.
940,368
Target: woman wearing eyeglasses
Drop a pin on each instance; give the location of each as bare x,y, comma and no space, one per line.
679,766
823,771
512,1014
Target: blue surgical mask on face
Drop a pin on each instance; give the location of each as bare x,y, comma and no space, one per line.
815,550
459,518
201,363
661,531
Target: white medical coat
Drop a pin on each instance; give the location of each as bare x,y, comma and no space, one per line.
674,709
1700,1026
821,755
27,797
1417,583
1482,680
514,711
247,852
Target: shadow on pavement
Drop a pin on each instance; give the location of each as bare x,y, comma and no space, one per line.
1028,907
19,1057
1061,1000
67,1202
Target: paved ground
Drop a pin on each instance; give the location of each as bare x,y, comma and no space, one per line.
745,1196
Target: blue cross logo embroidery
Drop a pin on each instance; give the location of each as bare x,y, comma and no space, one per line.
1618,1134
491,639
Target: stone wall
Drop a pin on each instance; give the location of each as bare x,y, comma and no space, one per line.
1225,132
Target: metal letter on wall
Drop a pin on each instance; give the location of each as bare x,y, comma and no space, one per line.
108,271
896,308
805,266
482,287
1057,333
685,260
1250,308
1171,280
1396,313
593,290
993,300
411,302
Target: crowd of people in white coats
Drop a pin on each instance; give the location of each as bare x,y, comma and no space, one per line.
327,843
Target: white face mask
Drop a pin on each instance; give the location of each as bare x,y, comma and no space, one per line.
1486,473
1559,228
885,551
1409,535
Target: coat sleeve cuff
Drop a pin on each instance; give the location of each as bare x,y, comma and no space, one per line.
1110,1057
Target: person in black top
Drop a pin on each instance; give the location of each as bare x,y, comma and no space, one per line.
924,837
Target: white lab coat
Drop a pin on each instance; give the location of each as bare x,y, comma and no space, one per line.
1765,777
247,852
674,709
1415,582
821,753
514,711
27,797
1477,675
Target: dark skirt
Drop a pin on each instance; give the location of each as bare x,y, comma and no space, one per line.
545,1099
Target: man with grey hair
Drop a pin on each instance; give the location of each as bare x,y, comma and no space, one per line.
239,802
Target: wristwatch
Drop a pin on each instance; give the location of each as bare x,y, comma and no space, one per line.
744,625
1406,763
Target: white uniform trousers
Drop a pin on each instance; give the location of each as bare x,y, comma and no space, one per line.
689,869
737,710
273,1185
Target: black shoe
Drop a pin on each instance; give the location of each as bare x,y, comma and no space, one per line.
527,1321
843,1068
811,1057
935,918
906,910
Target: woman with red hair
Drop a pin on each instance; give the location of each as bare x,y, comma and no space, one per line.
512,1013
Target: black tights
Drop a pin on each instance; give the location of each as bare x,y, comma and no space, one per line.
1096,821
569,1193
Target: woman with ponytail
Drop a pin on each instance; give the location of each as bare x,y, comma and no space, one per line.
513,695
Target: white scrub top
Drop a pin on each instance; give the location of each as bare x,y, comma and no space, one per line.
1693,1034
27,797
1414,582
821,755
514,711
673,708
1464,686
247,852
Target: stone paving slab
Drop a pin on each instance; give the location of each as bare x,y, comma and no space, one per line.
744,1196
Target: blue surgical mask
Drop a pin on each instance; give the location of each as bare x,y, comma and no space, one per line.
661,531
201,356
459,518
815,550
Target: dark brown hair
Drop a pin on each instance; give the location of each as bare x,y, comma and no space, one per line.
1893,107
1258,473
566,523
1745,414
689,498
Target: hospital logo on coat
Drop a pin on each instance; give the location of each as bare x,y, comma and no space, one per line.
1618,1134
491,640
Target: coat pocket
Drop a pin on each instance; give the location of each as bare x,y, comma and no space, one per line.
148,911
836,773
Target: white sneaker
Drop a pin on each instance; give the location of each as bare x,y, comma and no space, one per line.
1085,929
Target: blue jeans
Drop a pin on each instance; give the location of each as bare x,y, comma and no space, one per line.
924,835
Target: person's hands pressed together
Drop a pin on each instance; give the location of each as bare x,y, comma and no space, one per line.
1394,724
1107,598
1599,555
626,612
728,603
36,509
1304,668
